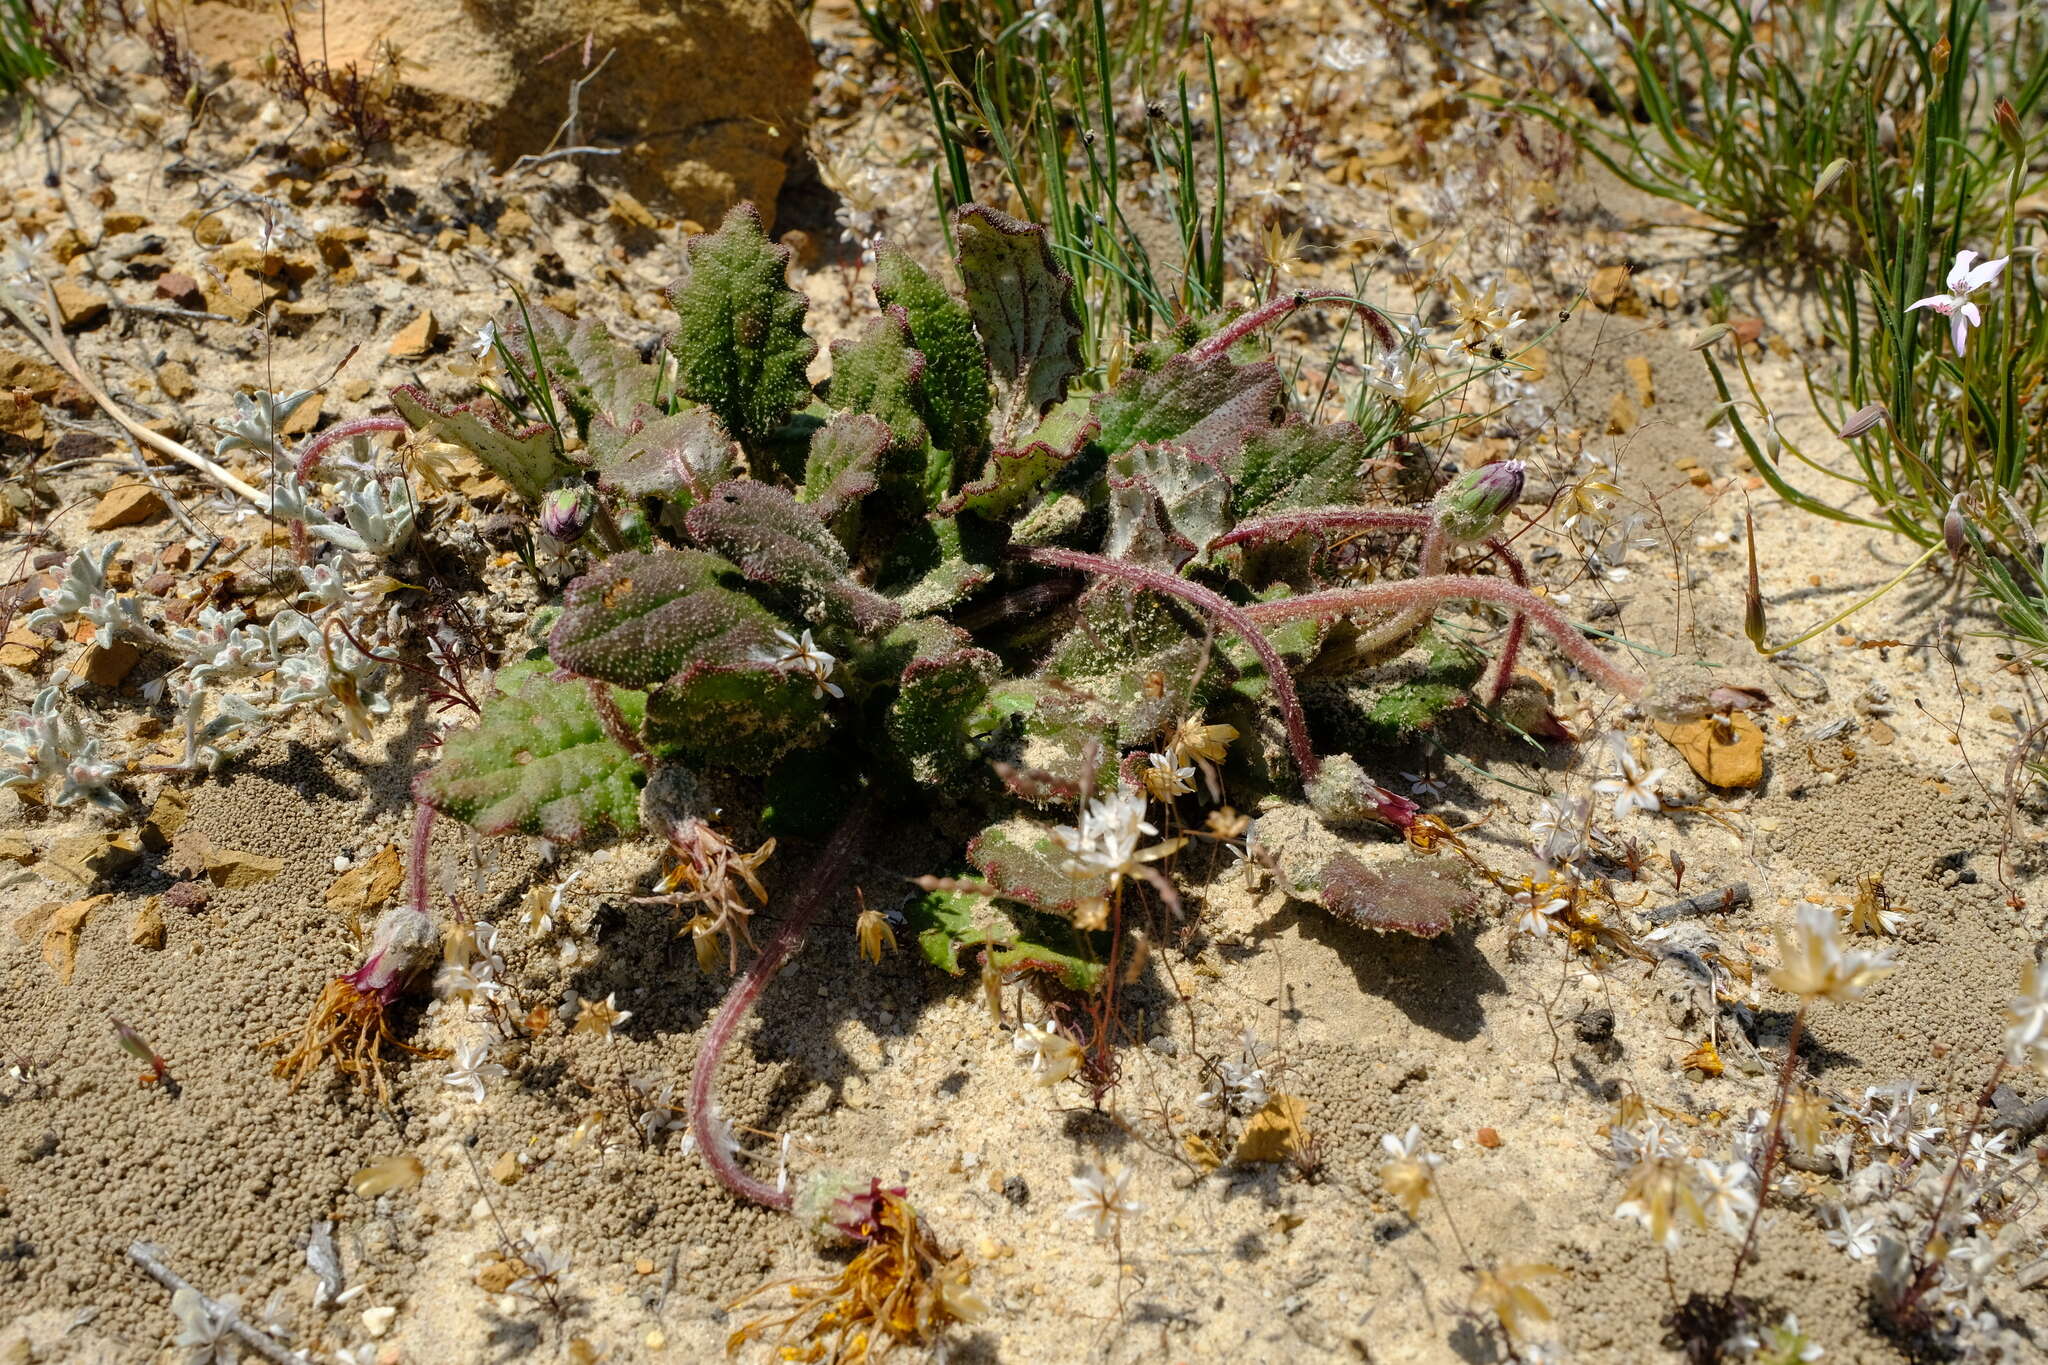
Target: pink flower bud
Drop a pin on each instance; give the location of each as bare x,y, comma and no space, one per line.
565,512
1471,506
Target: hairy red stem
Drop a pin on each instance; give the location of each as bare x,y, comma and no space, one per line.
825,876
613,721
1275,309
1435,591
1230,614
416,866
309,458
1287,525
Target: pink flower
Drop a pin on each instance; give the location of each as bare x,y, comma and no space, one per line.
1964,279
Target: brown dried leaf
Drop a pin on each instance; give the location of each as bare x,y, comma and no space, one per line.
1726,751
367,885
1277,1132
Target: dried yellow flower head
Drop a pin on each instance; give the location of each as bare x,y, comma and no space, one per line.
1504,1292
1660,1198
873,932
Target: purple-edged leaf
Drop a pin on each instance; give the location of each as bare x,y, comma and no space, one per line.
680,457
949,922
524,457
1022,303
1164,506
538,761
845,463
1208,407
939,692
938,563
775,539
880,373
744,716
1395,897
593,373
644,616
1012,476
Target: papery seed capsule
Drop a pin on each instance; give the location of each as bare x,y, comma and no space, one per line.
1865,420
1710,336
1471,506
1953,532
1830,173
565,512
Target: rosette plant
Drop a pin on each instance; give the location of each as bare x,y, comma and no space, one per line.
946,584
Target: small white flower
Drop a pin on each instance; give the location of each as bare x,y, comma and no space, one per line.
1561,829
1964,279
1633,787
1539,910
484,340
1104,1197
802,656
2028,1016
472,1067
1729,1199
545,1266
1166,781
1054,1056
1855,1238
206,1335
1427,787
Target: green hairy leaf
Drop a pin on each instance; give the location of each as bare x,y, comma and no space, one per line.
879,372
845,463
1207,407
593,374
744,716
678,457
1013,476
1300,465
775,539
740,347
949,922
538,762
642,617
942,689
524,457
956,392
1022,303
1165,506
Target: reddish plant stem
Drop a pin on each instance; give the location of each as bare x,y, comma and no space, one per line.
1925,1268
614,721
1452,588
416,863
818,884
1287,525
1231,615
1275,309
309,458
1774,1141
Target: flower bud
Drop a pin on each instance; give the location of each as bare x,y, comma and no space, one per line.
1938,55
1865,420
2007,120
1830,173
1753,624
1710,336
1953,533
1471,506
565,512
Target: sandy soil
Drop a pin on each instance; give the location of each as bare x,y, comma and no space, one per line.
1510,1057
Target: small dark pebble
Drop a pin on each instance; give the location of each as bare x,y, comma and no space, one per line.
1594,1026
1017,1191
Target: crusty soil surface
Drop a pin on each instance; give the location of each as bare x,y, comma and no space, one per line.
1509,1054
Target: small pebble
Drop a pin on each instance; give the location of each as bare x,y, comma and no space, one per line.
377,1321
